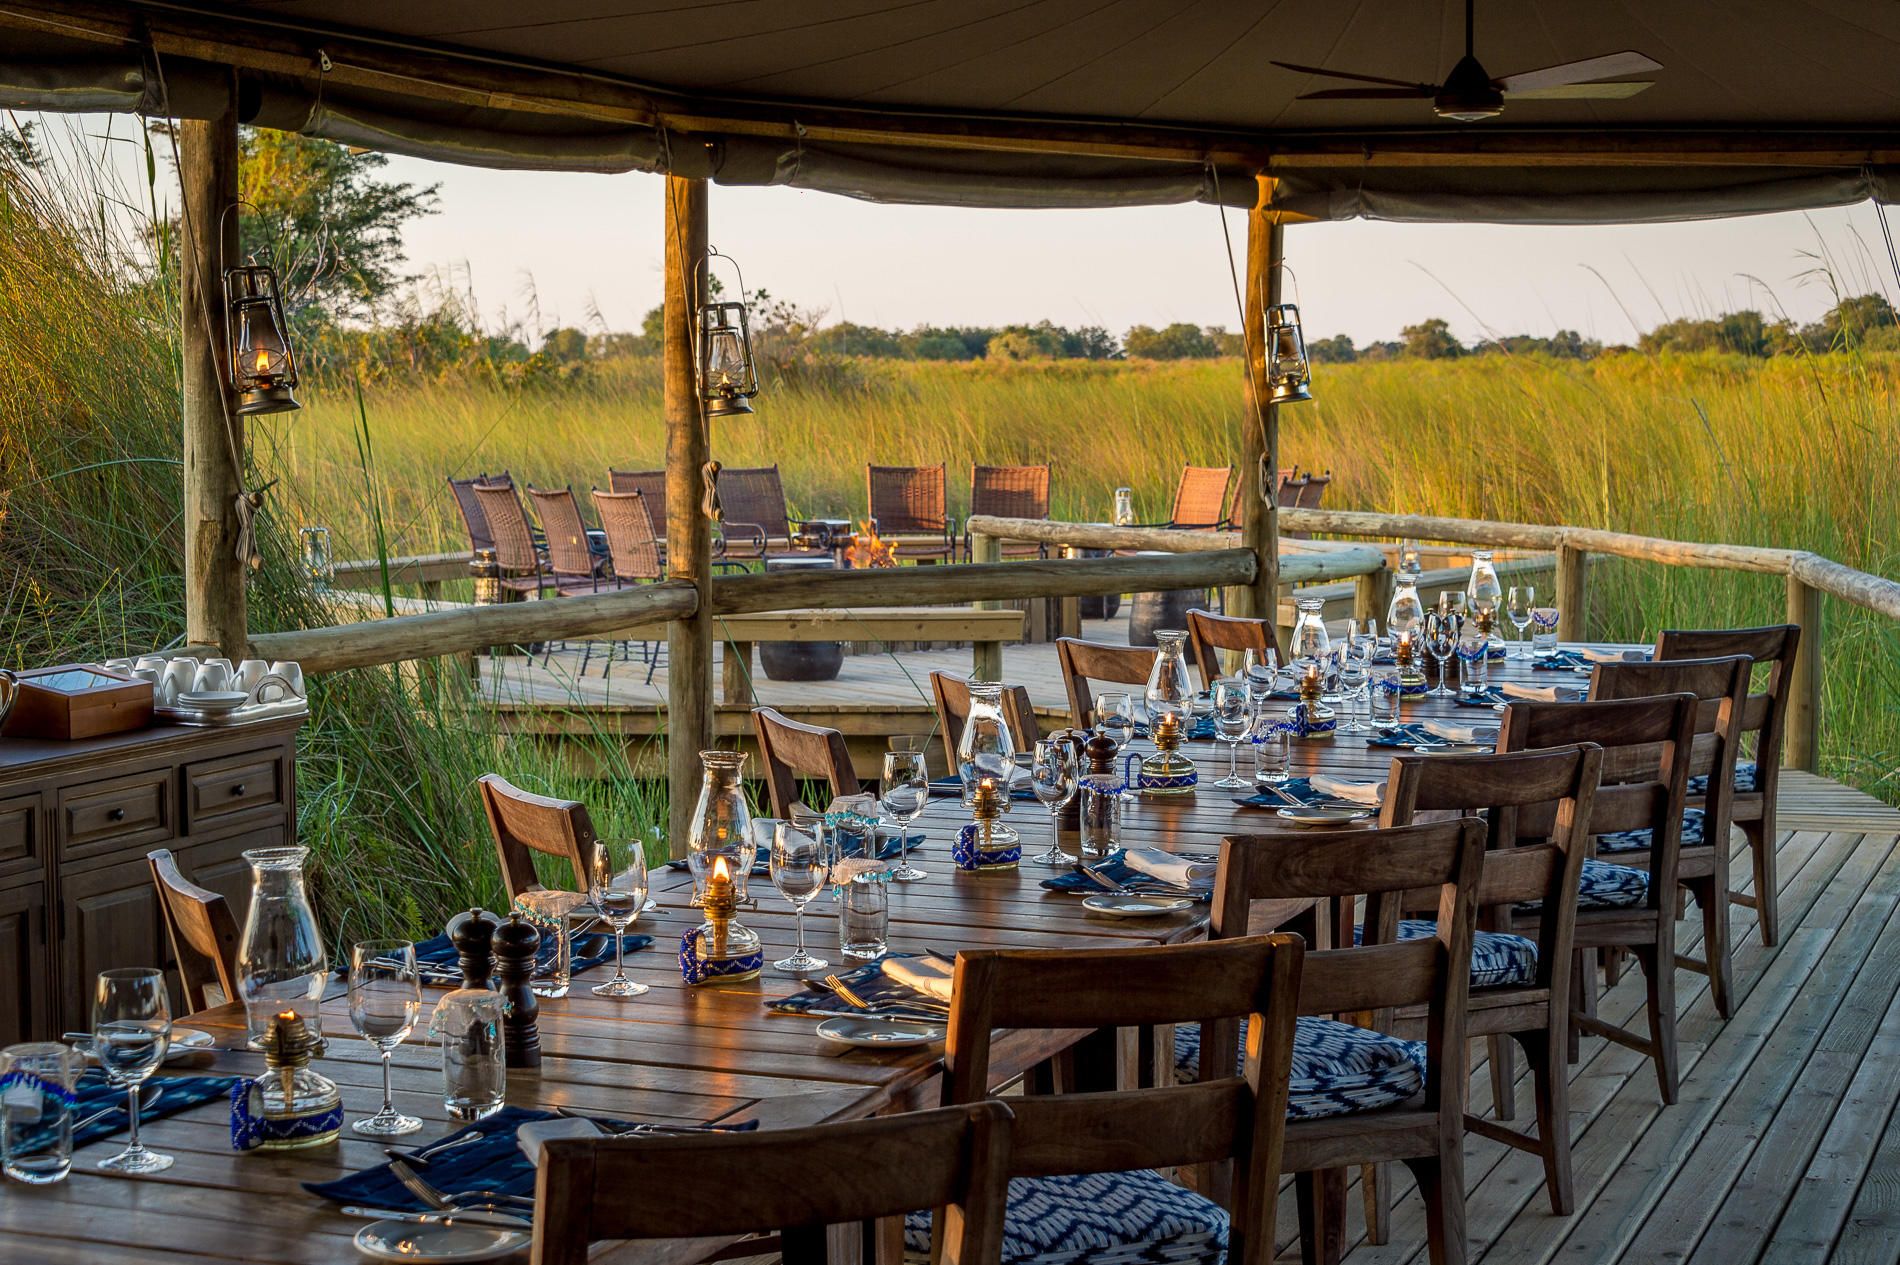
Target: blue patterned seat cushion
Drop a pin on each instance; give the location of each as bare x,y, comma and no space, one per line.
1605,886
1338,1069
1745,779
1639,840
1497,957
1099,1218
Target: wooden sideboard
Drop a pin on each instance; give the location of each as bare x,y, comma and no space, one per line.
76,820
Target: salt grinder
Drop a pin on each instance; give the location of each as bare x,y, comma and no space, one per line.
473,935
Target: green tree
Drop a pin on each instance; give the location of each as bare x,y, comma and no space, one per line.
1431,340
1179,341
1337,350
567,344
1848,322
326,219
1026,342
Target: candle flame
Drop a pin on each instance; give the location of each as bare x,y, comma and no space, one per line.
721,872
263,361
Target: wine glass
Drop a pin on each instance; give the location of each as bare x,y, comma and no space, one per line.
131,1030
618,888
906,790
1052,774
1441,640
1115,716
1233,717
800,863
1517,608
385,1002
1355,660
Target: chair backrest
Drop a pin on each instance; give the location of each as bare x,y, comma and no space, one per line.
1537,807
952,693
1010,491
1313,490
790,750
470,507
1290,485
1208,634
1380,974
1765,714
202,932
566,533
754,496
648,483
907,498
1720,686
632,544
508,528
523,824
1644,774
1086,661
797,1181
1237,1116
1200,499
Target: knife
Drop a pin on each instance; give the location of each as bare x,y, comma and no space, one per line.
496,1220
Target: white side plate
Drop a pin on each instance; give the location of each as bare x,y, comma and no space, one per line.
401,1241
1117,906
878,1034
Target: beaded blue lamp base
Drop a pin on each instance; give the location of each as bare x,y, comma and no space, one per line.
698,964
1004,852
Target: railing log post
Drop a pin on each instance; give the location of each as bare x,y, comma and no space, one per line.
689,646
1801,747
986,657
1573,611
1372,595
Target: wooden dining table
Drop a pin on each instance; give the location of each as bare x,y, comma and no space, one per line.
677,1054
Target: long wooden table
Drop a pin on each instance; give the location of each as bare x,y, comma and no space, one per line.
676,1054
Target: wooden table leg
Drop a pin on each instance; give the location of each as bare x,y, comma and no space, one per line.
736,673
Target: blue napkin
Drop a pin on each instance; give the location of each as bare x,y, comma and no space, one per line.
1201,728
94,1093
952,788
495,1163
1407,736
1112,868
887,996
1489,696
438,963
1298,787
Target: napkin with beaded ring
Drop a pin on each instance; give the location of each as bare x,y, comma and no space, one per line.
1166,866
1349,789
1446,732
929,975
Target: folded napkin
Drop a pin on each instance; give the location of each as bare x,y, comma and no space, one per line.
1614,656
1586,657
1542,693
1488,696
93,1094
887,995
1299,789
1115,868
1406,736
930,976
1169,867
1446,732
531,1137
1349,789
438,963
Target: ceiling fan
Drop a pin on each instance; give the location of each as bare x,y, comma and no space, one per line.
1469,93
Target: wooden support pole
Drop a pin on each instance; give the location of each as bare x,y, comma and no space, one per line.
1573,596
1260,418
1372,595
986,657
1801,745
689,672
213,435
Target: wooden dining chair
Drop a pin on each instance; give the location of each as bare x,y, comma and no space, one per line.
1647,744
1084,1160
201,931
952,694
1721,687
1355,1094
1010,492
1208,634
523,824
1757,781
910,501
1084,662
1536,807
523,570
797,1182
789,750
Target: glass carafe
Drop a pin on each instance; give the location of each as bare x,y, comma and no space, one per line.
1482,594
1406,612
1310,642
281,962
722,824
1170,700
986,751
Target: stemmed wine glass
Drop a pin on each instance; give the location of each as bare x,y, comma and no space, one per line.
618,888
1355,665
131,1031
1052,774
385,1002
1517,608
1233,717
800,863
906,791
1115,716
1441,639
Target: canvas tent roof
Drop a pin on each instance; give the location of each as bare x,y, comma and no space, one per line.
1760,106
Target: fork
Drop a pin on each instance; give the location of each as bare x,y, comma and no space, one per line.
148,1099
845,994
423,1154
441,1200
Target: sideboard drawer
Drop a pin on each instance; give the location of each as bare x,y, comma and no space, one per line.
21,847
216,789
103,817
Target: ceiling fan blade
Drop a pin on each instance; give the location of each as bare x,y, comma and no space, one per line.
1609,66
1583,92
1346,74
1370,94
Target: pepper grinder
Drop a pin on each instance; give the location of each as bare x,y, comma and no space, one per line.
516,942
473,935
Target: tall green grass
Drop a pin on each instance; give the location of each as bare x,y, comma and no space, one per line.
1796,452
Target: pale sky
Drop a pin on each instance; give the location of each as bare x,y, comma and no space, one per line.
580,244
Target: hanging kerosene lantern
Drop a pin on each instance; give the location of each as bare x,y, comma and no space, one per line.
728,377
263,367
1289,372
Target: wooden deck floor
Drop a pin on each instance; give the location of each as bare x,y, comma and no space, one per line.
1785,1144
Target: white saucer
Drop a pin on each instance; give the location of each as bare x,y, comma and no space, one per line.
213,700
1115,905
1324,816
879,1034
403,1241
